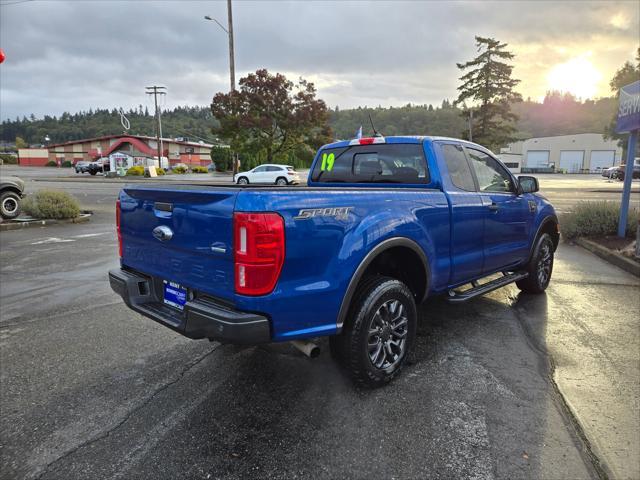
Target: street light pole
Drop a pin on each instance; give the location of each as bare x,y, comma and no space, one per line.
232,65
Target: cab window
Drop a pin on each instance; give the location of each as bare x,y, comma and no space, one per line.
459,170
492,177
379,163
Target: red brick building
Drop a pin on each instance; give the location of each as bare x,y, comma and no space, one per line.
139,146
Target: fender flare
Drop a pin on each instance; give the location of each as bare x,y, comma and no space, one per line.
548,219
367,260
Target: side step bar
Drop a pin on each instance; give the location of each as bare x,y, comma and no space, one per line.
477,290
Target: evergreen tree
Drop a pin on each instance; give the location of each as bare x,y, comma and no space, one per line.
488,84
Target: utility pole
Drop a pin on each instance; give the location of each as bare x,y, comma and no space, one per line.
232,71
232,65
155,91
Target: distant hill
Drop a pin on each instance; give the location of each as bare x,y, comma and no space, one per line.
556,115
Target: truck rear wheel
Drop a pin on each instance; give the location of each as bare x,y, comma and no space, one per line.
540,267
380,331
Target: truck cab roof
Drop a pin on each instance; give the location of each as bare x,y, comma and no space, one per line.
399,139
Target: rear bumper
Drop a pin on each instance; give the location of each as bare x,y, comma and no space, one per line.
202,316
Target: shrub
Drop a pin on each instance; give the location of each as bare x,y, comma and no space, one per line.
51,204
67,164
179,170
596,219
8,159
160,171
221,156
137,170
51,163
199,170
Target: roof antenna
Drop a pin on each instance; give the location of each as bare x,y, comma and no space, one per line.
375,132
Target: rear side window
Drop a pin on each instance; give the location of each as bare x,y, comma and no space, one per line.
458,167
274,169
379,163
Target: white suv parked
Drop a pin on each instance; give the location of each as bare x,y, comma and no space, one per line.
268,173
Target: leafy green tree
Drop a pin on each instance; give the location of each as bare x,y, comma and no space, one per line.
272,115
625,75
488,85
20,143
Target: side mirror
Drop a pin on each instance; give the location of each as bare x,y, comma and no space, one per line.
528,184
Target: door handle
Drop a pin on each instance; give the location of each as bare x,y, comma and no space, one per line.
493,207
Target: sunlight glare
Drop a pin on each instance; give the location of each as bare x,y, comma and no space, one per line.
577,76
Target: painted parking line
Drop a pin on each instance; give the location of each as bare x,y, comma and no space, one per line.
73,238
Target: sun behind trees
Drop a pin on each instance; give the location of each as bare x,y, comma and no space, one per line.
488,83
271,115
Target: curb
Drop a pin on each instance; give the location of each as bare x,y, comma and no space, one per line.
19,225
610,256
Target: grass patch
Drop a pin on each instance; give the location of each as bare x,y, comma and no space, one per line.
51,204
592,219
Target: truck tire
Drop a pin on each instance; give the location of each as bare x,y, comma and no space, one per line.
9,205
380,332
540,267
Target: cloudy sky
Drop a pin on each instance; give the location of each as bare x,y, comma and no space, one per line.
75,55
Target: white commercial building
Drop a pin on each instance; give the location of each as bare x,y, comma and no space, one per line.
513,161
580,153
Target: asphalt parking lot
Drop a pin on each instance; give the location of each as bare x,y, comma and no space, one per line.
507,386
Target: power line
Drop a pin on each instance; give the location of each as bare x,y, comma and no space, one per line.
196,136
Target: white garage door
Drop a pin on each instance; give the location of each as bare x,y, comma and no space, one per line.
571,160
601,159
537,158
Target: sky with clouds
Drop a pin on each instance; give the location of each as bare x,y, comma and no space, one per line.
75,55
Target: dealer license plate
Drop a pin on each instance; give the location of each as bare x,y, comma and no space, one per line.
174,295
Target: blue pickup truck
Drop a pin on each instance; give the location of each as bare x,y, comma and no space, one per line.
382,224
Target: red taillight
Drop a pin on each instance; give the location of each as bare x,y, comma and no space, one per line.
290,173
118,228
259,251
366,140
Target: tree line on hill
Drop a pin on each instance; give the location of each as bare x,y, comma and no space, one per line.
557,114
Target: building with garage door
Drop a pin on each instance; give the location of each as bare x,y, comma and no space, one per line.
580,153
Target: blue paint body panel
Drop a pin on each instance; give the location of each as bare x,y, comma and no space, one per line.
460,238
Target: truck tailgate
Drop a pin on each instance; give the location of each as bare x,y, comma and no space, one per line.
198,253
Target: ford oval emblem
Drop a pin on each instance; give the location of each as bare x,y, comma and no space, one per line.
163,233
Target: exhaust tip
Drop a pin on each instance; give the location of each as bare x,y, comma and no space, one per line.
310,349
